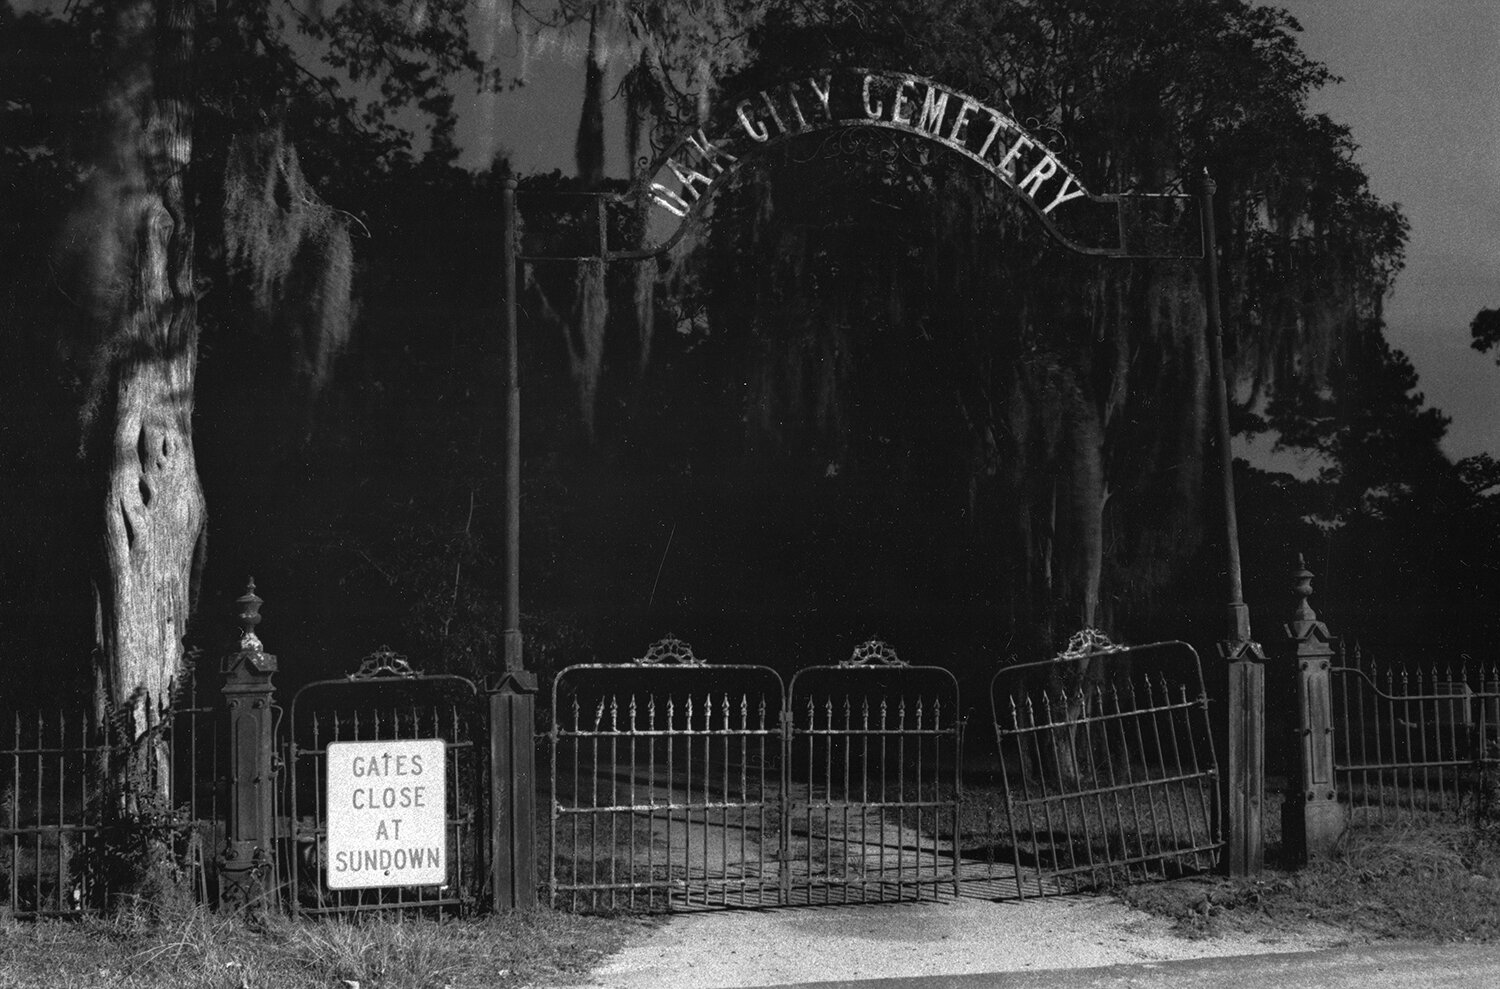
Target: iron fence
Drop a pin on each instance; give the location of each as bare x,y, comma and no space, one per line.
62,813
1107,768
1414,742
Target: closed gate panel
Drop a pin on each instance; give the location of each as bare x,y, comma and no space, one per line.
872,783
385,701
666,787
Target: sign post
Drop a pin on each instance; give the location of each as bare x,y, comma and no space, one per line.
386,805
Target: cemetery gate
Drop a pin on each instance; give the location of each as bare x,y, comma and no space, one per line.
671,784
676,784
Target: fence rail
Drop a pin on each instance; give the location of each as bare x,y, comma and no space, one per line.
62,816
1412,742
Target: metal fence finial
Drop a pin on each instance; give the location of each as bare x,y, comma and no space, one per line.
1303,589
249,616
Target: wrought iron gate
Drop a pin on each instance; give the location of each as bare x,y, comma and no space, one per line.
384,700
1107,761
679,785
666,784
872,780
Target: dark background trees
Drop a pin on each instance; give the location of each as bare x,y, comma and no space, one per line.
865,400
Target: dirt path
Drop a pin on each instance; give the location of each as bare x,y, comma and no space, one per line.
951,937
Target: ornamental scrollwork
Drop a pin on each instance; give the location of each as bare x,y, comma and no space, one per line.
669,651
1086,642
383,662
875,652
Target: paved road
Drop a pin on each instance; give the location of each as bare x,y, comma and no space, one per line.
1382,967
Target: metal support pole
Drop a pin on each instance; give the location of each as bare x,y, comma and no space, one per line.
1246,662
250,840
512,389
1312,820
512,694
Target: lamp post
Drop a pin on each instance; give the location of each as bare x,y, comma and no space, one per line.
512,691
1243,656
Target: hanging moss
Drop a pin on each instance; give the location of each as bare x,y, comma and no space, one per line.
288,249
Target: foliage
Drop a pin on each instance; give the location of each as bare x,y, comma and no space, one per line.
1044,383
195,948
869,400
1430,883
1485,330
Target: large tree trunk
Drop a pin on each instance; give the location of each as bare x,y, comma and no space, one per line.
138,432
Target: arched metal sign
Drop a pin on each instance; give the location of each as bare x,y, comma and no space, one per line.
685,177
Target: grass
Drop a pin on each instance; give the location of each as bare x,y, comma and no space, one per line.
1433,883
199,949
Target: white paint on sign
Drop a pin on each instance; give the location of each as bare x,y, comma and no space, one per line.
385,805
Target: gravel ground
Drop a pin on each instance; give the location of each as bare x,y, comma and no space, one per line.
952,937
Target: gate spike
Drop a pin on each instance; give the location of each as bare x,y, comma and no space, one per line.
599,715
614,712
650,712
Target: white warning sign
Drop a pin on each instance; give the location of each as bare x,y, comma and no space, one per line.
385,810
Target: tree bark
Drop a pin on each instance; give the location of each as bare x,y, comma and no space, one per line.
138,435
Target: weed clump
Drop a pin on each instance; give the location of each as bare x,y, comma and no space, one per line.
1433,882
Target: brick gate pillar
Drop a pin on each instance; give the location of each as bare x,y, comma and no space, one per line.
1312,820
247,864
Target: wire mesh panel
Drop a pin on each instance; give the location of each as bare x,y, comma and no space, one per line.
385,701
1107,768
665,784
1415,743
872,781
